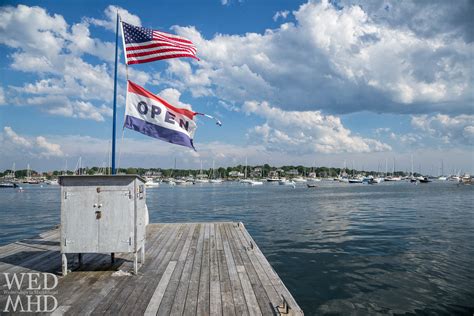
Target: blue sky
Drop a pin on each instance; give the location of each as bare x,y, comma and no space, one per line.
294,82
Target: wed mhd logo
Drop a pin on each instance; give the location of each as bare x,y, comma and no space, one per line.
29,292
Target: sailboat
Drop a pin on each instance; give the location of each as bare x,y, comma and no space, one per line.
442,177
201,178
343,175
213,179
29,179
249,181
393,177
245,180
9,183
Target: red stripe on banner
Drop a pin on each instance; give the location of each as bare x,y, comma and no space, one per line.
165,50
140,61
134,88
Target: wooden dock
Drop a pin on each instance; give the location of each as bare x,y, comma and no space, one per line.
190,269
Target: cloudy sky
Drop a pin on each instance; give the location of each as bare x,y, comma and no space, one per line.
293,83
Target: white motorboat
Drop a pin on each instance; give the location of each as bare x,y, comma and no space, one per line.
299,179
201,180
287,182
182,182
378,180
150,183
245,181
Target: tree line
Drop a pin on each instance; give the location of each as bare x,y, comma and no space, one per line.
218,172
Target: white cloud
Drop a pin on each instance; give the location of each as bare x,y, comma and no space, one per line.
142,151
15,138
338,60
36,147
450,129
172,96
2,96
306,132
32,30
62,106
382,130
48,149
111,14
281,14
68,85
197,82
80,43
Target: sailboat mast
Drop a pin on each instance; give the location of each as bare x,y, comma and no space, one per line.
245,167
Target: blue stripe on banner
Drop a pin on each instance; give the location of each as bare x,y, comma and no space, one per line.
156,131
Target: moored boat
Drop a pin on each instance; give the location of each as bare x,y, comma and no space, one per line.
8,185
286,182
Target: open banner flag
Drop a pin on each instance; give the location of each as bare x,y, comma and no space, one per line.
151,115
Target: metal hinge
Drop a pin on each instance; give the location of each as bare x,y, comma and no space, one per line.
65,195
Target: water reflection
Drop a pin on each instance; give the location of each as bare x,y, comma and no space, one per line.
340,249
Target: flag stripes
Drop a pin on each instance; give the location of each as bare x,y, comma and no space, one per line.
144,45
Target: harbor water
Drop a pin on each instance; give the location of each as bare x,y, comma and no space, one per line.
339,248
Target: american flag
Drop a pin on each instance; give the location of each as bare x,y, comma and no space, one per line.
143,45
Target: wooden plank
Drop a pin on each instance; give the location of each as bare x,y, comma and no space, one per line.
265,281
183,285
153,274
72,287
106,282
155,301
215,286
224,279
251,276
219,245
190,306
237,292
203,307
272,275
167,301
250,297
205,268
111,301
138,284
50,242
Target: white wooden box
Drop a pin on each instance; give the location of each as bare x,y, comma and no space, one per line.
103,214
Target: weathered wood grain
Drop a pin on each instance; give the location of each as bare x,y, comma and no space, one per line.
191,268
